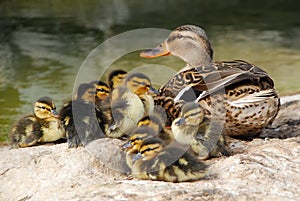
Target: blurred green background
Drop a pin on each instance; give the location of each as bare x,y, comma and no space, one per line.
43,43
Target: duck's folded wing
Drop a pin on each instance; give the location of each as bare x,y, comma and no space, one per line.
197,83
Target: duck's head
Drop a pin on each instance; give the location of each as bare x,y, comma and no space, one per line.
135,140
192,114
115,77
152,121
45,108
102,90
139,84
149,149
188,42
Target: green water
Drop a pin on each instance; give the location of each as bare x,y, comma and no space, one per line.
43,43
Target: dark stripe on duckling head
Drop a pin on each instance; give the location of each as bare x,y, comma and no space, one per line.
47,100
137,75
152,140
144,130
151,119
113,74
102,86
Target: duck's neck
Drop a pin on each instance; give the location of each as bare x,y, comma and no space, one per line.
195,59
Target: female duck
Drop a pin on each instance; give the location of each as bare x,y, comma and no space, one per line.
43,126
245,91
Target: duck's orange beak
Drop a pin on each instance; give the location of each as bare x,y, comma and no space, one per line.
160,50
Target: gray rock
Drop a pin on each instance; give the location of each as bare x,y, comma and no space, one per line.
261,169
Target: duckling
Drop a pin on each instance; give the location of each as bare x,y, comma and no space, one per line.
133,144
82,119
127,105
172,163
204,137
116,77
43,126
155,122
249,100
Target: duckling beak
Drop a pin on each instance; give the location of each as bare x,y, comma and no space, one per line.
160,50
152,90
126,145
54,113
180,122
136,157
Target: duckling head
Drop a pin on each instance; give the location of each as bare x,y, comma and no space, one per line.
45,108
139,84
188,42
102,90
86,92
192,114
135,140
149,149
116,77
152,121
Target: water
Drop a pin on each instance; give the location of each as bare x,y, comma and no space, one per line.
43,43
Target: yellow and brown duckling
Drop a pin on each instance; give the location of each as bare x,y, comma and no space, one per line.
193,129
133,143
82,119
43,126
116,77
172,163
156,123
237,90
129,105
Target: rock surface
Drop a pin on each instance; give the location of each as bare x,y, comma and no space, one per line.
266,168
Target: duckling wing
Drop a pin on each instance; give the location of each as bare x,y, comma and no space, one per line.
127,110
175,164
26,132
80,122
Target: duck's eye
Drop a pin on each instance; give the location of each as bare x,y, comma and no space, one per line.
179,35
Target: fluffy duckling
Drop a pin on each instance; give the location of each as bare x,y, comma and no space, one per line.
172,163
83,121
116,77
133,144
191,128
155,122
128,106
43,126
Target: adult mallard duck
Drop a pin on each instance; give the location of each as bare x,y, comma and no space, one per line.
239,91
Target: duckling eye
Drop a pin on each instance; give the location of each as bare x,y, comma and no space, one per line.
179,35
101,90
44,108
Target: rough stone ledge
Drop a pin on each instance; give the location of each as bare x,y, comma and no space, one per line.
266,168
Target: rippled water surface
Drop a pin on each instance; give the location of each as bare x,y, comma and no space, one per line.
44,43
